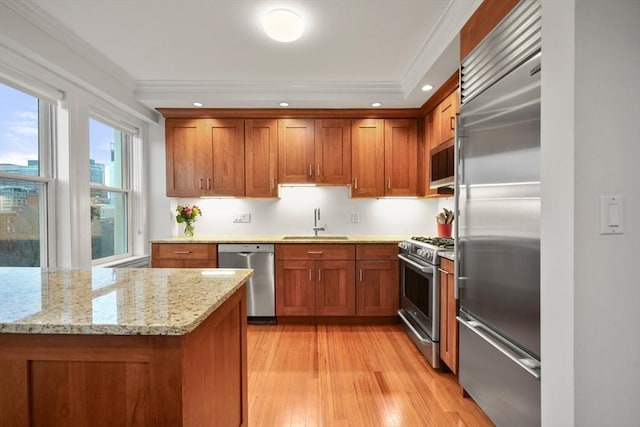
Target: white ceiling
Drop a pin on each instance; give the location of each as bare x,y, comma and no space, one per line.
352,52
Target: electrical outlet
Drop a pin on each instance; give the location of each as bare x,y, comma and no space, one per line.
242,218
355,217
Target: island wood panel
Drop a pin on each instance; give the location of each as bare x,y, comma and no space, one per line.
483,20
335,288
367,158
225,156
333,151
295,150
401,157
108,380
185,158
261,157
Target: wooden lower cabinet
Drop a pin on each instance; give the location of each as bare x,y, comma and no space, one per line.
315,280
448,313
377,284
184,255
196,380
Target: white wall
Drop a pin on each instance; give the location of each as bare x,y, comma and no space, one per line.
591,147
292,213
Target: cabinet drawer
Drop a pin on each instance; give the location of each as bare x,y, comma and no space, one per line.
185,251
313,251
377,251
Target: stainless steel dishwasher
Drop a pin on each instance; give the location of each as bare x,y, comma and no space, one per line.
261,305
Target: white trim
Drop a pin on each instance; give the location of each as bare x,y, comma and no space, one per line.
32,86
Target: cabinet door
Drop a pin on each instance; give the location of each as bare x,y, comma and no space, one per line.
377,288
295,150
448,109
401,157
448,312
367,161
333,151
335,288
185,158
295,288
432,136
260,144
226,156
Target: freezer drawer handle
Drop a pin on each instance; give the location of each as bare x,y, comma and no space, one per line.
417,334
524,361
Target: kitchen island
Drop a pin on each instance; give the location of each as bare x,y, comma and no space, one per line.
123,347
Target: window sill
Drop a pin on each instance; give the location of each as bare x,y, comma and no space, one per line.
129,262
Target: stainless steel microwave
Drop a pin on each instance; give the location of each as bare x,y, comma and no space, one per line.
442,165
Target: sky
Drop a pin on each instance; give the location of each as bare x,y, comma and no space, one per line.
19,130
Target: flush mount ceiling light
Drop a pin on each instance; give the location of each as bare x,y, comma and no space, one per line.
198,104
283,25
377,104
427,88
284,104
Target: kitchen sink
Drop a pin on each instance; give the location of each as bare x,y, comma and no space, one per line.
315,237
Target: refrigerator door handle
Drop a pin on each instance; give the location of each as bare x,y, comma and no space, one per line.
526,362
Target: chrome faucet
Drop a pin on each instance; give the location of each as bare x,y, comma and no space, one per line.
316,218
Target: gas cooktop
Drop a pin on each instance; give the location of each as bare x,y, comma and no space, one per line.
439,242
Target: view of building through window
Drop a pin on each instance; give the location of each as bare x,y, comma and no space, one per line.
22,196
108,177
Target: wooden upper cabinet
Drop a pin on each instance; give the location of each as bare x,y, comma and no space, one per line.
296,150
367,158
333,151
261,157
401,157
204,157
448,110
185,161
226,139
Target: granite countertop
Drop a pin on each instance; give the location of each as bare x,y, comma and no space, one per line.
275,238
112,301
448,255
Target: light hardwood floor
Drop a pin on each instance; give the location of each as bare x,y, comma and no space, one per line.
335,376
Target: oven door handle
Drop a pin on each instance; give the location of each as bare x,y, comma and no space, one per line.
423,268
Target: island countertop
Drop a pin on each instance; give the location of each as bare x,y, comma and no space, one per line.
112,301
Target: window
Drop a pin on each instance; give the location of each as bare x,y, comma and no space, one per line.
25,177
109,181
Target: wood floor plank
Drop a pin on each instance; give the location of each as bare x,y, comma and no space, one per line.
349,376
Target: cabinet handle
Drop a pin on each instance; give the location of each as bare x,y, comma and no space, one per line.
319,275
310,275
273,184
201,183
388,183
318,171
443,271
310,170
208,183
182,252
361,275
315,252
452,123
355,183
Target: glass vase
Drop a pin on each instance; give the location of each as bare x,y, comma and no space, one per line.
188,230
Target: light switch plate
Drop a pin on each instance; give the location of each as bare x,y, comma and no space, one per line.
611,214
355,217
242,218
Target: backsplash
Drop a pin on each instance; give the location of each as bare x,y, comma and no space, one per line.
293,214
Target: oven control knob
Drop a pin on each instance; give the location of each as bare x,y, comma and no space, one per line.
423,253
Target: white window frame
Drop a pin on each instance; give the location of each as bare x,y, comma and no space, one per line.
129,136
46,170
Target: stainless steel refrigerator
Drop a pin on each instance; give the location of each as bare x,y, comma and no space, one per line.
498,230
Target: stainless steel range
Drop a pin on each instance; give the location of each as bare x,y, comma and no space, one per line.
420,292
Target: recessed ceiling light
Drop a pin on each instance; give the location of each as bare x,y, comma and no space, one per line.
284,104
427,88
283,25
377,104
198,104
